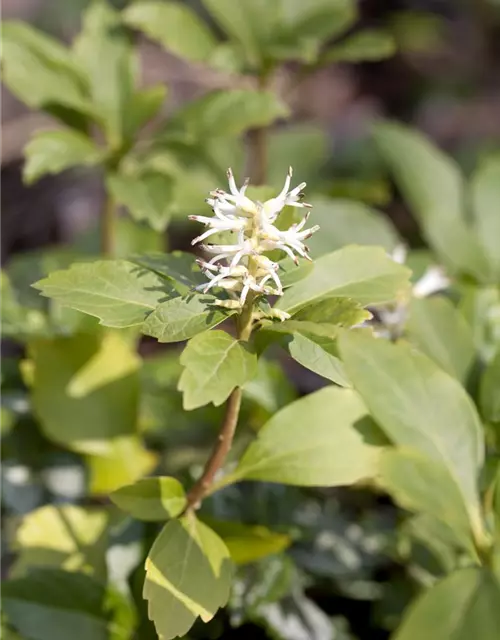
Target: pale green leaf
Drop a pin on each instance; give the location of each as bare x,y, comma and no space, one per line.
173,25
19,322
98,410
214,364
438,329
178,266
419,406
489,390
370,44
55,151
104,49
227,113
148,196
124,460
40,71
118,292
462,606
188,575
134,237
421,484
485,192
248,543
324,439
51,604
344,222
342,312
365,274
62,536
317,359
184,317
159,498
434,188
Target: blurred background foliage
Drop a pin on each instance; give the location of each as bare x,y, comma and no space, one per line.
71,436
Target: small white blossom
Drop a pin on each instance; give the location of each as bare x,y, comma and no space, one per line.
244,268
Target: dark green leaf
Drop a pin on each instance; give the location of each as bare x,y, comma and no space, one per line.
214,364
51,604
175,26
462,606
324,439
178,266
118,292
159,498
55,151
365,274
188,575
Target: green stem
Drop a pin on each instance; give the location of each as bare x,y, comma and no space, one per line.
108,227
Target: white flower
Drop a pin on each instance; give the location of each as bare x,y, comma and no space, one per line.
244,267
433,280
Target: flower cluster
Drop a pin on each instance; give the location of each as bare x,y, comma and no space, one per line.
242,267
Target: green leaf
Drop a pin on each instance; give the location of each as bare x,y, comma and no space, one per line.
434,188
50,604
117,292
365,274
324,439
159,498
135,237
83,414
148,196
143,107
62,536
188,575
341,312
462,606
175,26
184,317
419,406
242,21
421,484
303,146
178,266
370,44
214,364
485,192
19,322
40,71
438,329
227,113
55,151
248,543
344,222
489,390
316,358
104,50
125,460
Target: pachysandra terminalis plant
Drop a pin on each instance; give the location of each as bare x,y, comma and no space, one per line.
243,271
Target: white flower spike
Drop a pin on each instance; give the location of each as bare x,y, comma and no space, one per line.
244,268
